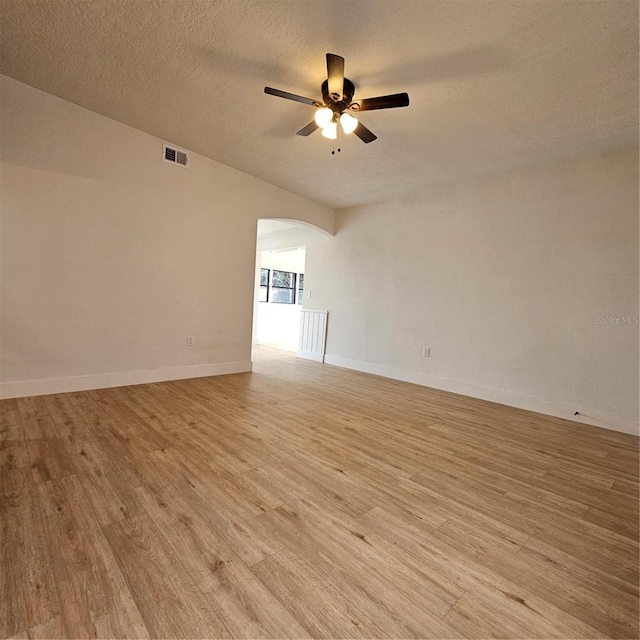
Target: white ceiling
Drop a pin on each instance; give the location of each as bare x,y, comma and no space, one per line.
267,226
494,85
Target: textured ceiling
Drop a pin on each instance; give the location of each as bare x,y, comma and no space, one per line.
494,86
265,227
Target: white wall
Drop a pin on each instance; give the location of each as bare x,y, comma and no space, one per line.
278,324
111,257
505,280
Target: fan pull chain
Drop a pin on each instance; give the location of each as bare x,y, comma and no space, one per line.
333,143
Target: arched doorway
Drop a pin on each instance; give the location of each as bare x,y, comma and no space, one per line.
280,285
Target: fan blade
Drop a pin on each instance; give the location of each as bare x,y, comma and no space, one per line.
291,96
308,130
364,134
335,75
382,102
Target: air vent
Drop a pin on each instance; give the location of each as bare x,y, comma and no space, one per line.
174,156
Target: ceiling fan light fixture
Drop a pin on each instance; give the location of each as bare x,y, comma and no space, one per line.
348,123
330,131
323,117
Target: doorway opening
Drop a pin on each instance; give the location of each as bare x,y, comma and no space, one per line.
279,289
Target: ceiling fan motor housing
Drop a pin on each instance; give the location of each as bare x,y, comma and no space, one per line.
347,95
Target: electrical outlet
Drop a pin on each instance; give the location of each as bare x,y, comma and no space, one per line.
190,341
426,352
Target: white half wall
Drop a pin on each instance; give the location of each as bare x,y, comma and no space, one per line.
110,257
525,288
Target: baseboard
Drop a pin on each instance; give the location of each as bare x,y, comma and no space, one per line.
308,355
47,386
595,418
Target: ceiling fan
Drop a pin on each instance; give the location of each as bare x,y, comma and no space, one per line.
337,94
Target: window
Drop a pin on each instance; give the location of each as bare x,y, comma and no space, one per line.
264,285
283,287
300,288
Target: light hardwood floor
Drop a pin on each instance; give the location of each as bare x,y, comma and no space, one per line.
304,500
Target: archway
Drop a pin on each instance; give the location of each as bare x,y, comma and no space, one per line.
281,286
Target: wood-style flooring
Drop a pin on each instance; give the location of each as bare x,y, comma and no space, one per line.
303,500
